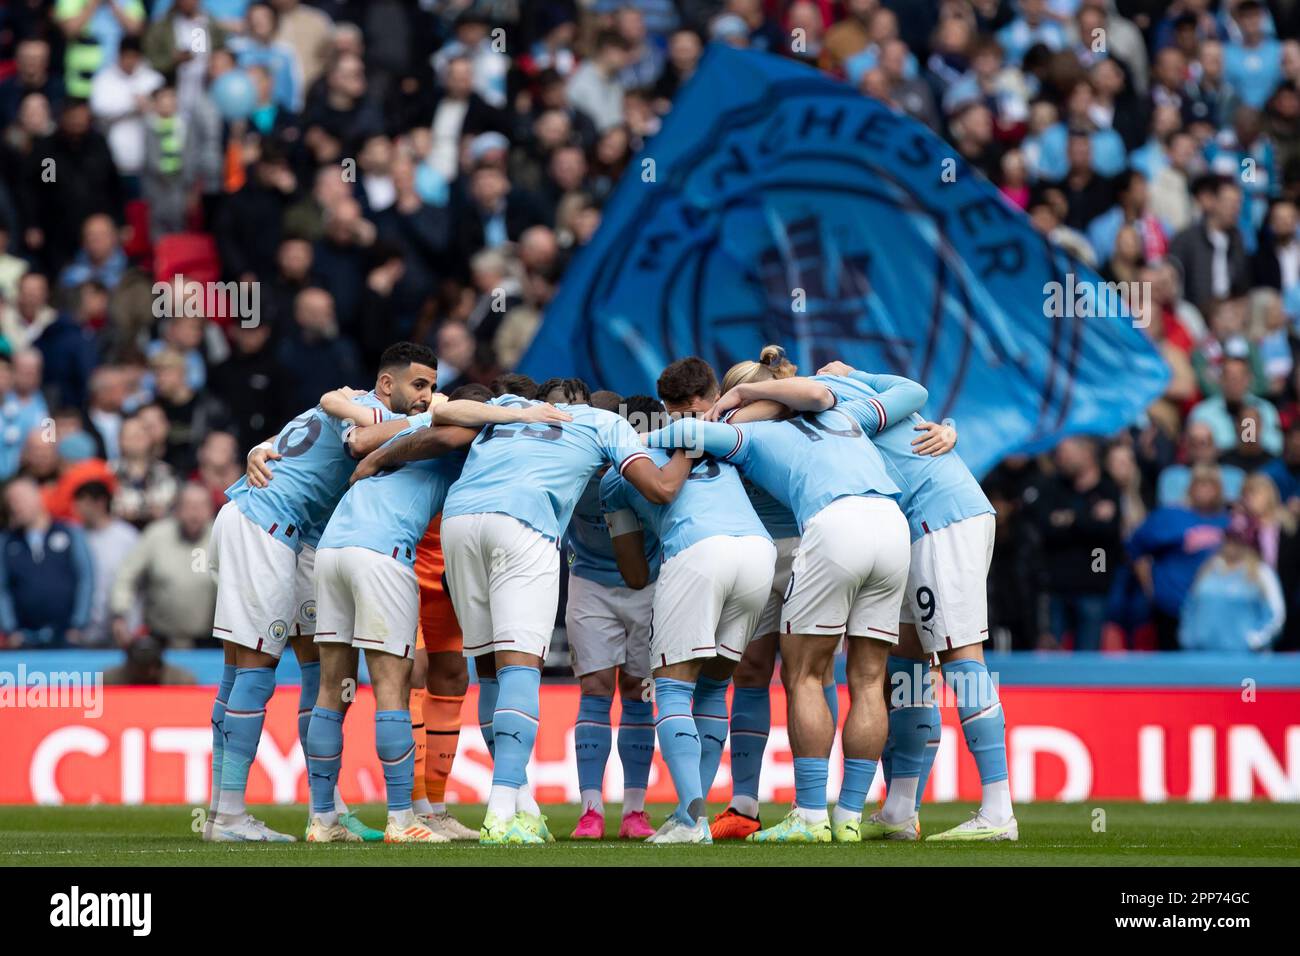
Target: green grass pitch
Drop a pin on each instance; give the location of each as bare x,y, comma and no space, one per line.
1050,834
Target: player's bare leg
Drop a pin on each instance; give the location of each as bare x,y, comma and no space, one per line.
865,730
391,678
805,658
338,684
913,741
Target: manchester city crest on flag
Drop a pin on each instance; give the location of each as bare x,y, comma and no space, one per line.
781,206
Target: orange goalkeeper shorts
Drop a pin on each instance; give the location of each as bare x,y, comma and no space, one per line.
439,630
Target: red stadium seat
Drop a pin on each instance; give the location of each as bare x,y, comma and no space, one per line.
191,254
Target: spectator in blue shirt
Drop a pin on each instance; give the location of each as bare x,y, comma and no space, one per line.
259,47
1253,65
22,407
1171,545
1032,26
46,573
1235,603
1199,448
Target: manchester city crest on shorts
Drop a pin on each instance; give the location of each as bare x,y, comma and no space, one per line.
278,631
308,611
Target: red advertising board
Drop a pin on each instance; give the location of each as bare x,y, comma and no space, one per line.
152,745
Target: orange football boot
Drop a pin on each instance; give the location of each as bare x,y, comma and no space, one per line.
731,824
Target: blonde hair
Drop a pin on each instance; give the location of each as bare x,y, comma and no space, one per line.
1276,510
771,364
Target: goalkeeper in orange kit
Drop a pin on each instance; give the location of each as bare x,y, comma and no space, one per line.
438,681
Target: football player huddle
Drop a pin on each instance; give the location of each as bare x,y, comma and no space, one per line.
705,530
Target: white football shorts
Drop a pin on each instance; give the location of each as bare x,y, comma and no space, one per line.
709,597
504,579
304,593
608,627
366,599
947,586
849,573
255,583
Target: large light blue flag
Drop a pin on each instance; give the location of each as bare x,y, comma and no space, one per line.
780,205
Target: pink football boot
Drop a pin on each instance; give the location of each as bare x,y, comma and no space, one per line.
591,826
636,826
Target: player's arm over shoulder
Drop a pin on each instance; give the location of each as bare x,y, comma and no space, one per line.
896,397
421,443
365,425
622,447
471,414
658,485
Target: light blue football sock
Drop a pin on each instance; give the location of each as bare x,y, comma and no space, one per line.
751,722
396,748
909,717
679,742
636,742
982,722
324,757
592,740
709,708
245,715
912,710
810,775
514,724
218,729
488,688
858,774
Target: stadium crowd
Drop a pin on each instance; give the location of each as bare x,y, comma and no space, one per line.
426,170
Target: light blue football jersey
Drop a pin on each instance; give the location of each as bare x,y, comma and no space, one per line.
390,511
805,462
712,502
936,491
589,549
310,476
535,473
776,517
